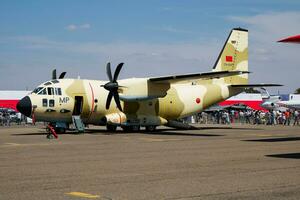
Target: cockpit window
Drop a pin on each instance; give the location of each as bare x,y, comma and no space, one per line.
55,81
50,91
47,91
57,91
48,83
36,90
43,92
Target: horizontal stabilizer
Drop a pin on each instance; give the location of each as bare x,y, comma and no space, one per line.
206,75
255,85
180,125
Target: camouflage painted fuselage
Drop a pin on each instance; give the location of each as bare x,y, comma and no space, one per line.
146,101
179,100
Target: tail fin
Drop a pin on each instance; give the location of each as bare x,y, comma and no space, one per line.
265,94
234,56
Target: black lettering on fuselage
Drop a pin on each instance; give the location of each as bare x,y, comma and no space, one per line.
64,99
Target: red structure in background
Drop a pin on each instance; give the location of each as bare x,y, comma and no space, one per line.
254,104
292,39
10,98
248,99
12,104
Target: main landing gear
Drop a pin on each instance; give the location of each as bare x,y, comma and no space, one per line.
150,128
111,127
131,128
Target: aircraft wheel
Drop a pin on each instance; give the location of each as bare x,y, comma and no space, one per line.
60,130
50,136
127,128
111,127
150,128
135,128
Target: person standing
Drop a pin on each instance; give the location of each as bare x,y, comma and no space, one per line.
287,115
19,118
296,117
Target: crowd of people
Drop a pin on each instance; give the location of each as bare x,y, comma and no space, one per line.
6,118
246,116
272,117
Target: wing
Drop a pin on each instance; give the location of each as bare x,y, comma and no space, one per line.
255,85
206,75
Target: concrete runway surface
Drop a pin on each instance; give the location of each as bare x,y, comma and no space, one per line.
214,162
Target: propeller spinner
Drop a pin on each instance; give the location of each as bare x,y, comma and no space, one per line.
112,86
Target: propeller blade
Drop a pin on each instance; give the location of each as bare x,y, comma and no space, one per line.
62,75
54,74
117,72
108,72
108,100
117,100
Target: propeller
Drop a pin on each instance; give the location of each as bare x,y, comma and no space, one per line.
61,76
112,86
54,74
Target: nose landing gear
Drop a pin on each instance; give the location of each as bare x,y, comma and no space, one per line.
53,129
51,133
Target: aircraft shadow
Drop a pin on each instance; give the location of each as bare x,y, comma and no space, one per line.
166,131
182,134
285,155
43,132
282,139
232,128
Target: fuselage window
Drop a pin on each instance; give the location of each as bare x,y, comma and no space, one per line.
50,91
51,103
45,102
57,91
43,92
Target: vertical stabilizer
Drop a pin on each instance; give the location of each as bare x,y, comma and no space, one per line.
234,56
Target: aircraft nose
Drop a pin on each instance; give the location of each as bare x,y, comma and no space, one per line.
24,106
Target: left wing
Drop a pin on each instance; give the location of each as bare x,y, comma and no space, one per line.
206,75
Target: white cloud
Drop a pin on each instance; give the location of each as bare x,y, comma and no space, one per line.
73,27
271,61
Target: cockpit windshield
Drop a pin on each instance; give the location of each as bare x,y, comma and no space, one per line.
47,91
36,90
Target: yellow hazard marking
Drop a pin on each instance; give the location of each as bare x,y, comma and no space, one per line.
158,139
84,195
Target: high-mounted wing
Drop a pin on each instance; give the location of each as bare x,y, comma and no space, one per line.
255,85
206,75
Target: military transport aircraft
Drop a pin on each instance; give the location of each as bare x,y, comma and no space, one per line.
141,102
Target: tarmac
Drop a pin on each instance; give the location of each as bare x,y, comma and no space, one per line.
213,162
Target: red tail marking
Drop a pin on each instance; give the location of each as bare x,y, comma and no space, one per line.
229,59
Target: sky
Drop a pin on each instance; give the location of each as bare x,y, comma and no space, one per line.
152,38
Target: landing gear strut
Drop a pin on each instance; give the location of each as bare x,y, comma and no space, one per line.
150,128
111,127
51,133
132,128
